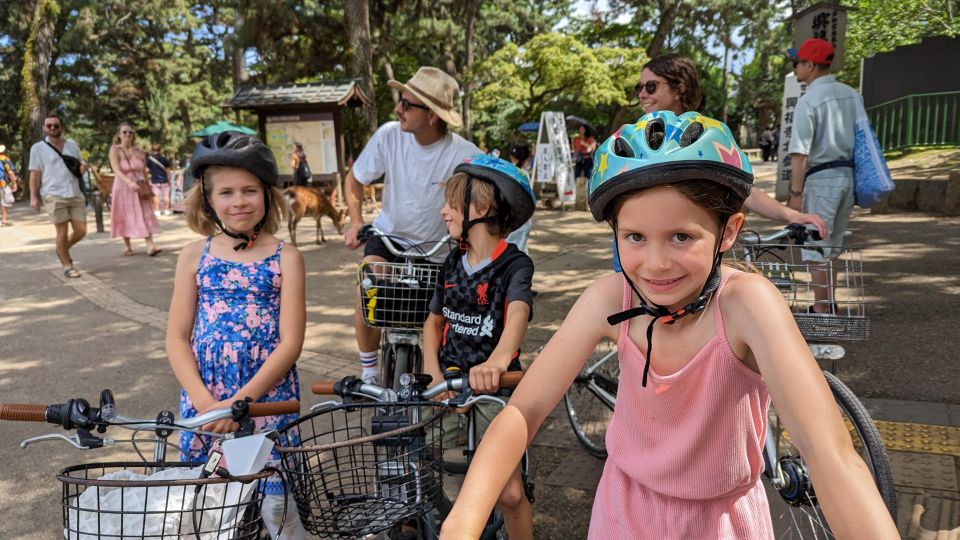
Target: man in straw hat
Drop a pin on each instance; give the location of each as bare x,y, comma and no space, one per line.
414,155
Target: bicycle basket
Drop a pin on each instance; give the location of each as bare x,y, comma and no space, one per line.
363,468
132,500
397,295
784,265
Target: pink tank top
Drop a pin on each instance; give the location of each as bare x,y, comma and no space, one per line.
685,453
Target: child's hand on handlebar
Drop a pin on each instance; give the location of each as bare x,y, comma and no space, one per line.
220,426
485,377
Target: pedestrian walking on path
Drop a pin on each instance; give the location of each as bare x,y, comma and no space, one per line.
8,185
55,172
131,206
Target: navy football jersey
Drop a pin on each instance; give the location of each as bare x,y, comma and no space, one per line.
474,306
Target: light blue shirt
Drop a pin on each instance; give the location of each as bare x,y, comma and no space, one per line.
824,121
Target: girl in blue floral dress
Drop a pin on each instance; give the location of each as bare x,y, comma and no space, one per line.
237,316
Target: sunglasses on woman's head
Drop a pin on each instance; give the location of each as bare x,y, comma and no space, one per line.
650,87
405,105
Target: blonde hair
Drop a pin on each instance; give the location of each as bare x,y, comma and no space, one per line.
116,136
201,222
482,194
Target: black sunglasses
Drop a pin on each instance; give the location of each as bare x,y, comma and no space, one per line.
649,86
52,126
405,105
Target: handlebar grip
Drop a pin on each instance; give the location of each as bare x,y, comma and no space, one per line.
274,408
510,379
323,388
23,412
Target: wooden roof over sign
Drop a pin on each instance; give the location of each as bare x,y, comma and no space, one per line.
338,93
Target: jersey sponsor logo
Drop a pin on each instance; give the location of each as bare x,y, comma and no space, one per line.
482,299
486,329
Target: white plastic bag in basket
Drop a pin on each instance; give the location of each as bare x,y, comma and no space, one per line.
166,507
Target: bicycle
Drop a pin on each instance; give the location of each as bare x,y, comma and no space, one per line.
395,296
373,463
151,499
592,397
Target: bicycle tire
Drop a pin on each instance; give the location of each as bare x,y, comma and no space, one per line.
588,413
794,509
401,364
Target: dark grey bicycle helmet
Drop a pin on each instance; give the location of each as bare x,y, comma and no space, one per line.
235,149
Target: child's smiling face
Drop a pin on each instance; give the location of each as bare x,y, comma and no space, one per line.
667,244
236,195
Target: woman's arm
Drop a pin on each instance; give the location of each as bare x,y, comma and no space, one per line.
180,321
485,377
293,317
115,165
756,316
541,389
768,207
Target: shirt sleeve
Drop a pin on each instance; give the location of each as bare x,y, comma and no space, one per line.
804,126
436,302
36,163
371,164
520,283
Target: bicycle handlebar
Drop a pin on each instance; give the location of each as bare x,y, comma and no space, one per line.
412,252
23,412
798,232
347,386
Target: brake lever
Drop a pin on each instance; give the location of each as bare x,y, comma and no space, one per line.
74,440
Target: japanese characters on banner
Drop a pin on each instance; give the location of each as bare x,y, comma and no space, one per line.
825,21
553,164
792,90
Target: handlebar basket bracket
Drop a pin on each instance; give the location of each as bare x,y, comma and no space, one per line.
362,468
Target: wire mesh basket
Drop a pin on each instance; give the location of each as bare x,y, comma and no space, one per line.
397,295
363,468
835,285
126,500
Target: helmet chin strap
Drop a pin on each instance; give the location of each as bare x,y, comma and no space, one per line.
468,223
659,312
246,241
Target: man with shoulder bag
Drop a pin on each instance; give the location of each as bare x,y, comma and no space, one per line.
55,172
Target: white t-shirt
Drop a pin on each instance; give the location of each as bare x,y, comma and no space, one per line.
55,178
413,186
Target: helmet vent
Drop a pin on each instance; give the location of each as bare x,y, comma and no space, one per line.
622,148
691,134
655,133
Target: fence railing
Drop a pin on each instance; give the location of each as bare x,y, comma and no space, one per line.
917,120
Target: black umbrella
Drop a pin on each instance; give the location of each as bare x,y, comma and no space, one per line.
574,122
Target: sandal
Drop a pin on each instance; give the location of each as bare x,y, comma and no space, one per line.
154,252
71,272
128,253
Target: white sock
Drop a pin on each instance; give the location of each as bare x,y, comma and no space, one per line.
368,360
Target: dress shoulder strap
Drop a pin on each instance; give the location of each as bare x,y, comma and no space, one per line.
626,304
204,253
279,248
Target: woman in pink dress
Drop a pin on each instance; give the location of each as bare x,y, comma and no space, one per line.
130,216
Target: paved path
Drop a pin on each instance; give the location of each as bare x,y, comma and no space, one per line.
61,338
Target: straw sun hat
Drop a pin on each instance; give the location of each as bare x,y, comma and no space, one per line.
436,90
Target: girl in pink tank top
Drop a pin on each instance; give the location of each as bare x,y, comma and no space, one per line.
700,348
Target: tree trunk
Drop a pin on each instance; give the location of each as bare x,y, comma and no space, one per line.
726,66
668,13
238,51
468,86
361,61
36,68
388,72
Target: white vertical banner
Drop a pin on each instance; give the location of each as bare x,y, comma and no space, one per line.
792,90
553,163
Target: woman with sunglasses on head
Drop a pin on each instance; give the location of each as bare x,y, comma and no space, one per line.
131,216
670,82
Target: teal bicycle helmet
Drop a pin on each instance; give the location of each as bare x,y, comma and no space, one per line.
663,148
515,198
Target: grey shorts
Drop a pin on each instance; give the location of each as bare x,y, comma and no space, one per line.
830,195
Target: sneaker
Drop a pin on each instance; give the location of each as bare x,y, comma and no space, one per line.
167,213
156,213
811,311
371,378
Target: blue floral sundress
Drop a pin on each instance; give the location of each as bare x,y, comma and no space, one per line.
237,327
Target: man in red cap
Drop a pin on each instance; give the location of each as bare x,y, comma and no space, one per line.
821,156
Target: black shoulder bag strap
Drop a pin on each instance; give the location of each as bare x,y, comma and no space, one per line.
70,167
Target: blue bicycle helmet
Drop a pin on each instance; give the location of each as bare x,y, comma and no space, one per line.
515,198
663,148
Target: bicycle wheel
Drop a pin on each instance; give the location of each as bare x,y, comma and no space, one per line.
793,504
401,364
590,399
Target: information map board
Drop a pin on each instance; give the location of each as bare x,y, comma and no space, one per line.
315,131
